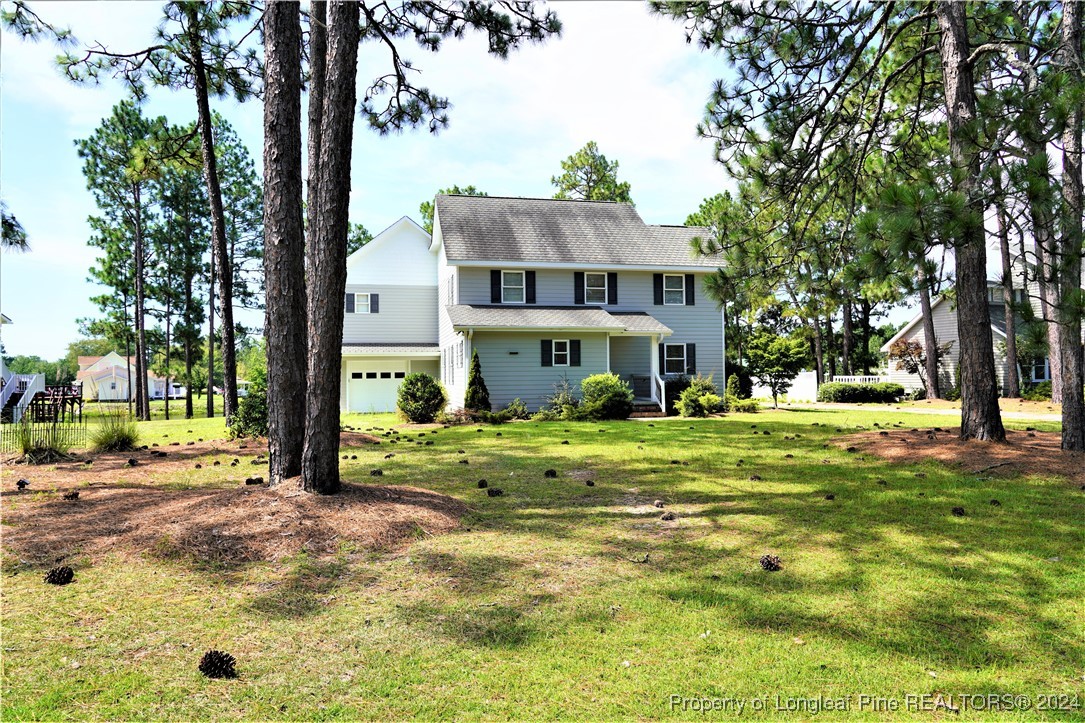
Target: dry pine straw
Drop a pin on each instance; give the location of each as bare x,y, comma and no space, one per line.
1031,453
124,510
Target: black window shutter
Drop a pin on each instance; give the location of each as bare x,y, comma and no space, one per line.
374,303
495,286
690,288
547,353
691,358
529,287
574,352
578,287
348,304
657,283
612,288
662,359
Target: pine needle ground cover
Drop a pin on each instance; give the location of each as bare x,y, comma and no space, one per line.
560,598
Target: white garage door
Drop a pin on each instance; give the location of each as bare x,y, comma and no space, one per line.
372,385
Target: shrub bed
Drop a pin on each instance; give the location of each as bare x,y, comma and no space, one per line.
883,392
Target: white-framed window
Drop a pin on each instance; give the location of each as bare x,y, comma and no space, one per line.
561,352
1041,370
595,288
674,358
112,385
674,290
512,287
361,303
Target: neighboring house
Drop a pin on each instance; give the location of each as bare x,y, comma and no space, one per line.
105,379
543,289
17,391
944,316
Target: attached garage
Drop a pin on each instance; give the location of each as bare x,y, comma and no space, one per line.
371,382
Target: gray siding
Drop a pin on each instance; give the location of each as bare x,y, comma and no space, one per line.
408,314
701,324
522,375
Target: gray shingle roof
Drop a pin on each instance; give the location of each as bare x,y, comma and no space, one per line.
552,317
543,230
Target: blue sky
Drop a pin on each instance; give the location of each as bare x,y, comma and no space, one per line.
618,76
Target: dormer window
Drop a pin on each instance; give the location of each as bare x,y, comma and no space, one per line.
595,288
512,287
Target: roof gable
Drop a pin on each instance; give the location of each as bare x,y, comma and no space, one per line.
400,255
561,232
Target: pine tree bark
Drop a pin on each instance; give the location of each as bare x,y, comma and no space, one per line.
189,330
143,406
848,338
327,254
980,415
219,246
1071,352
865,335
318,50
211,341
284,241
930,339
1013,381
1043,236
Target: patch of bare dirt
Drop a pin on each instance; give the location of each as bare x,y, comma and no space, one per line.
135,510
1023,453
229,526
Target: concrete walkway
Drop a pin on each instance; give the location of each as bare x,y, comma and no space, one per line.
892,409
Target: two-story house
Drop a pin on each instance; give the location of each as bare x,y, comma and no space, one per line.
543,289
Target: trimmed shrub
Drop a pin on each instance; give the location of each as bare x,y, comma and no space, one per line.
117,432
742,405
546,415
516,409
1038,393
251,417
882,392
743,388
607,396
563,396
699,399
421,398
456,417
477,396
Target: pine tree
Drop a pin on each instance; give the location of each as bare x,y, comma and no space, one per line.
588,175
478,396
425,209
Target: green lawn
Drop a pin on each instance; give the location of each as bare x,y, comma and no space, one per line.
541,606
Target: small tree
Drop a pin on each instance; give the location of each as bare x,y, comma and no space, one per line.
478,396
587,175
421,397
911,357
775,361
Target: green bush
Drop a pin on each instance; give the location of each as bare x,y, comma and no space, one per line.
456,417
742,405
699,399
1038,392
117,432
563,396
607,396
742,386
516,409
546,415
882,392
251,417
421,398
477,396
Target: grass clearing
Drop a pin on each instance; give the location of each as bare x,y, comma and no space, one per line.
560,598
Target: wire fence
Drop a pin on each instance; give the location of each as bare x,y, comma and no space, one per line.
27,435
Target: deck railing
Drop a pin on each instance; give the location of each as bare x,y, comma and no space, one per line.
30,385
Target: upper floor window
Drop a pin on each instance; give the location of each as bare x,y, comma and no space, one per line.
361,303
512,287
595,288
674,289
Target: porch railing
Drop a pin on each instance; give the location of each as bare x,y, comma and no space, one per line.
30,385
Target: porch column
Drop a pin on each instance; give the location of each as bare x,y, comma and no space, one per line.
654,365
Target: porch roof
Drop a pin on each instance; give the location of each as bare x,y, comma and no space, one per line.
520,317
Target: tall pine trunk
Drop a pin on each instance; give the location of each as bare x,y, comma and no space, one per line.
219,246
930,339
143,404
980,415
1043,235
865,335
284,241
211,341
1013,381
189,330
1071,353
327,253
849,338
318,50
